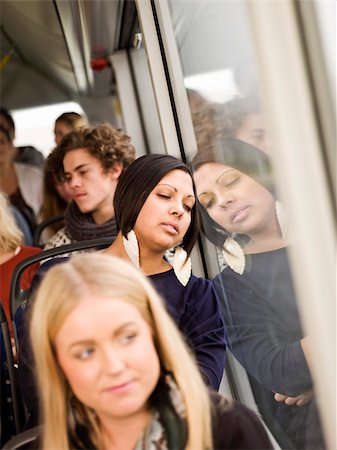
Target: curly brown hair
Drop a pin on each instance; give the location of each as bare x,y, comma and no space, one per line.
104,142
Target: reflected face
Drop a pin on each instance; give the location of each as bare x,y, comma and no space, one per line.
60,130
234,200
166,214
106,351
253,131
93,188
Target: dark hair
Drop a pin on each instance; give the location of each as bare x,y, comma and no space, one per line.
241,156
6,132
107,144
72,119
9,119
136,184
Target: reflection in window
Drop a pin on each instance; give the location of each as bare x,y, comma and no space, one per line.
244,217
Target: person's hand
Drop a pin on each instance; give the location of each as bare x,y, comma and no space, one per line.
299,400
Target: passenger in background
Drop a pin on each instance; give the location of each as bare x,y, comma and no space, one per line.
242,215
57,193
23,155
91,160
67,122
22,183
12,251
156,210
113,365
241,118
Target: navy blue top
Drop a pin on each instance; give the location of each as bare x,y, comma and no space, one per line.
195,310
262,322
263,331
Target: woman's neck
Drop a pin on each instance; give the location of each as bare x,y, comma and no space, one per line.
264,245
124,433
151,262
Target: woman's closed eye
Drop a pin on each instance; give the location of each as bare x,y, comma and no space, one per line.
207,200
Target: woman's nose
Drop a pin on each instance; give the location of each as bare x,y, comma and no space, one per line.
177,209
226,200
113,362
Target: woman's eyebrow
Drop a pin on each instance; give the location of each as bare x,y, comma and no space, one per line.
222,174
175,189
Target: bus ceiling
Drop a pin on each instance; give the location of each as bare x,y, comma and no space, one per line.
55,50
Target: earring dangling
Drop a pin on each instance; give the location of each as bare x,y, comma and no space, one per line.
130,243
182,265
234,255
281,218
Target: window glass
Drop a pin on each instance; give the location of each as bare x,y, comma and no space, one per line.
244,216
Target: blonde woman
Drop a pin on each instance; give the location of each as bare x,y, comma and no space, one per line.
114,372
12,251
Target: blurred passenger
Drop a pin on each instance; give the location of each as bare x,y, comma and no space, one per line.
57,193
23,155
243,216
67,122
92,158
113,365
12,251
21,182
155,211
241,118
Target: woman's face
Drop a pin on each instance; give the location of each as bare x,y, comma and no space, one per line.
106,351
234,200
166,214
60,130
64,191
253,130
5,148
93,188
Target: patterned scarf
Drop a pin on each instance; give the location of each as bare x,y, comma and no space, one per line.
167,429
81,226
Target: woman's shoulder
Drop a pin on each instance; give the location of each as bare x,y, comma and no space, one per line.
235,426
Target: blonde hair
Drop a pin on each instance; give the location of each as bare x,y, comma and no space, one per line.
10,235
60,291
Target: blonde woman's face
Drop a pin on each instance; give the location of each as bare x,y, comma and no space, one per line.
106,351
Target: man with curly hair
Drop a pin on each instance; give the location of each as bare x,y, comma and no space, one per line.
91,160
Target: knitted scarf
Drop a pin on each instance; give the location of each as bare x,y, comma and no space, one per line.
81,226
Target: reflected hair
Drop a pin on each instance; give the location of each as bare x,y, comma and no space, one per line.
136,184
61,290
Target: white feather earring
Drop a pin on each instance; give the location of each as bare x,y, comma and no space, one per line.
234,255
281,218
130,243
182,265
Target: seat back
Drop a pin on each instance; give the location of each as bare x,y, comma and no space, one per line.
45,224
19,441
